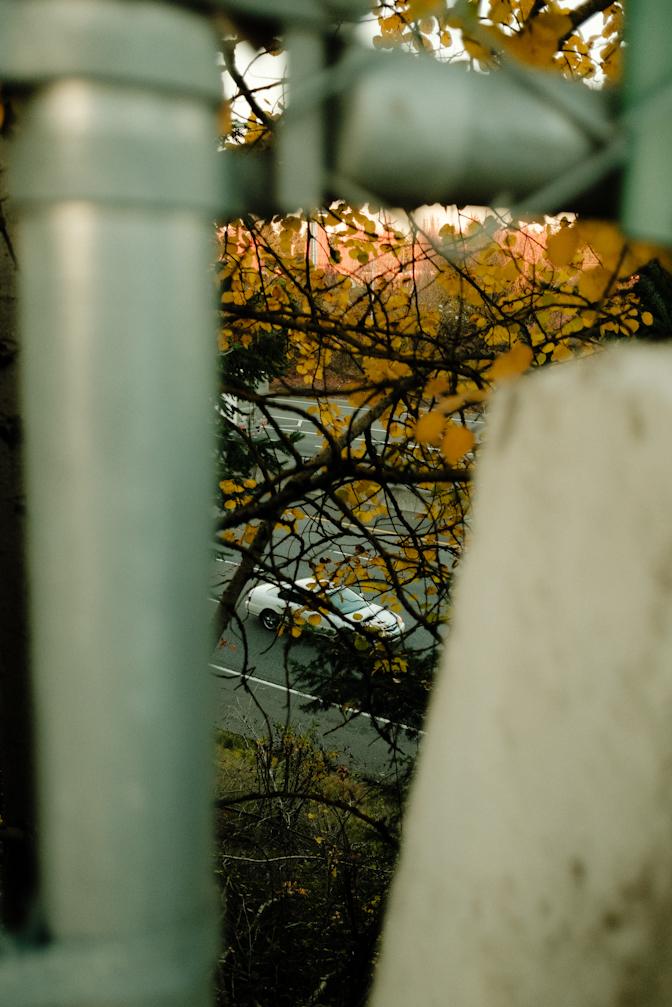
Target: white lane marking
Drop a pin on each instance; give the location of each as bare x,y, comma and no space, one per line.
320,519
305,695
261,681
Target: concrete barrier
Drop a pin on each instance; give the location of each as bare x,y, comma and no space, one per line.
537,859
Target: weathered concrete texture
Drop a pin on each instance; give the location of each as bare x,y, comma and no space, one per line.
537,861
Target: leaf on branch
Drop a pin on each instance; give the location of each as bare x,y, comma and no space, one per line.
438,385
593,283
511,364
423,8
224,118
562,245
429,429
456,442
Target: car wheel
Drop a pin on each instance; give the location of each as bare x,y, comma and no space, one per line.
269,619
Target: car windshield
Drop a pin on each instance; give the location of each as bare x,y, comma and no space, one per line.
346,601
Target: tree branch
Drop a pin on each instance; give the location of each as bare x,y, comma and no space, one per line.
330,802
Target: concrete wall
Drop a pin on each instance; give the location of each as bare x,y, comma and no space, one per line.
536,868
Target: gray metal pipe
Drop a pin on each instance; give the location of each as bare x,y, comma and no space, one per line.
415,131
647,98
115,181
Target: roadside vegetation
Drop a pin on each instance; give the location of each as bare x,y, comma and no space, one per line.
306,851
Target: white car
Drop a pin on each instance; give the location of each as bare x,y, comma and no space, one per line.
274,603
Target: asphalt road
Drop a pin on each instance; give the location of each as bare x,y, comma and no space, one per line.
289,414
259,656
255,690
266,695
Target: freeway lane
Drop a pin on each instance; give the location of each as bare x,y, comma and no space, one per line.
321,539
270,696
263,664
289,414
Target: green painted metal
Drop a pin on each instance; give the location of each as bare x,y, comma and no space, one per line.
647,108
151,44
115,179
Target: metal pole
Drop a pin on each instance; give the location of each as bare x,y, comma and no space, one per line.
115,178
647,97
415,131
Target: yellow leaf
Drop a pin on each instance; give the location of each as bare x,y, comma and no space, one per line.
647,318
604,239
562,352
593,283
296,631
500,11
453,402
457,441
429,429
438,385
390,24
562,245
224,118
512,363
314,620
475,49
421,8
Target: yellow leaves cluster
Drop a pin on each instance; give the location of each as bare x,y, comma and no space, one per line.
380,369
475,49
594,283
453,440
429,428
418,9
236,493
224,120
511,364
457,441
562,246
594,243
539,40
500,12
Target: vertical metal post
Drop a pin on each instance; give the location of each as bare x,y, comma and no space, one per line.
115,178
301,139
647,96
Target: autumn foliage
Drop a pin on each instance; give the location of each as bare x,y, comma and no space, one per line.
372,342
